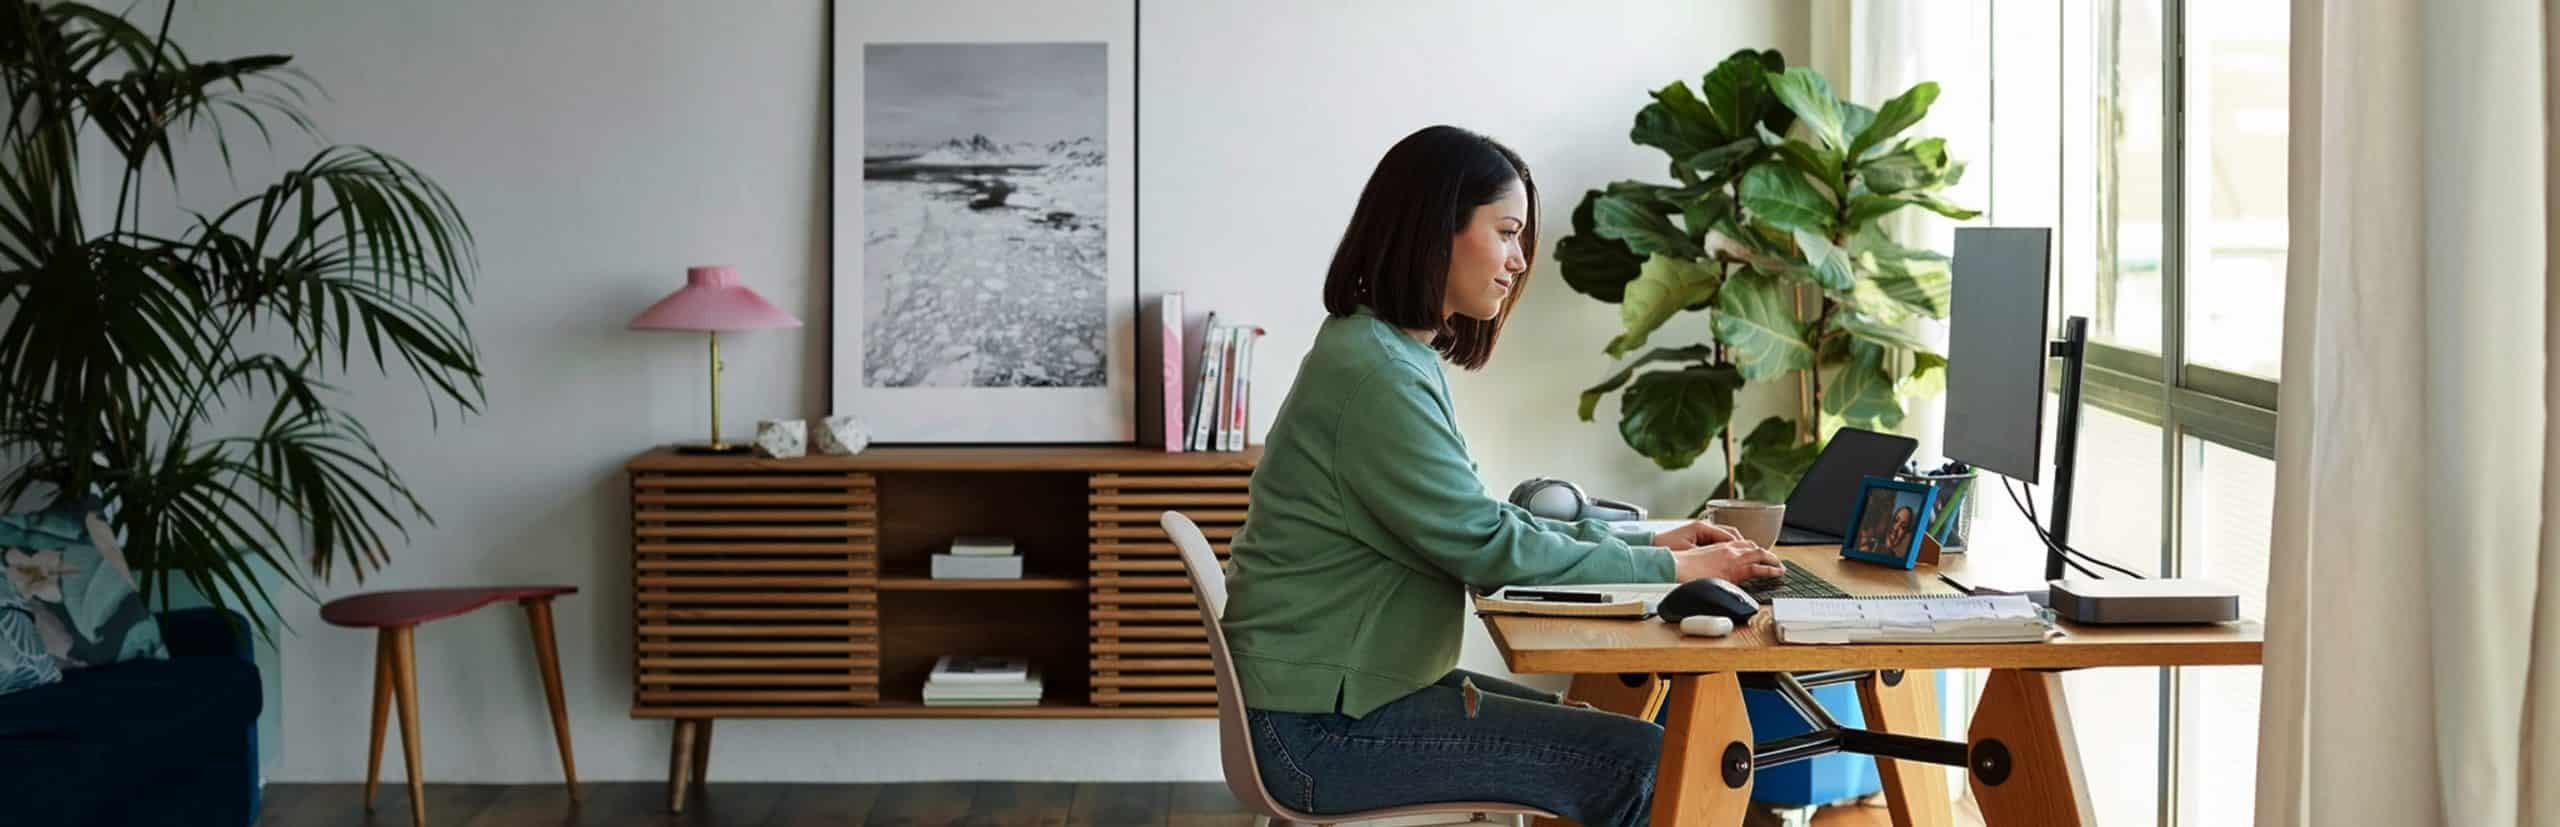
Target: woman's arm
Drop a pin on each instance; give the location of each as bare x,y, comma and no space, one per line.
1401,461
1585,530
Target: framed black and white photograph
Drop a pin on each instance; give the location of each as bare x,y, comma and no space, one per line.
985,217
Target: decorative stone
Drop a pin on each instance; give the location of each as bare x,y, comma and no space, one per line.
840,435
782,438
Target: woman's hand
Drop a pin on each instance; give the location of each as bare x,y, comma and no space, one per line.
1695,533
1733,561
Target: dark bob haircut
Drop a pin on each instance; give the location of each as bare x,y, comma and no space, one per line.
1394,257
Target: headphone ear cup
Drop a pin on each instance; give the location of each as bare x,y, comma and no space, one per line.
1520,493
1557,500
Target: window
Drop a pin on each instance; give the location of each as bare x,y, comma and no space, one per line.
2235,187
2154,142
2228,502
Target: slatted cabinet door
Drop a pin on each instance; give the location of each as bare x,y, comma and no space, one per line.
1149,649
757,592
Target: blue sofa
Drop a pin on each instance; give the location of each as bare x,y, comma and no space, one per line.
143,742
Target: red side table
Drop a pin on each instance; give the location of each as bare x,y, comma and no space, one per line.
396,614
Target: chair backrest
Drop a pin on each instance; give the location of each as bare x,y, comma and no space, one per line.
1235,739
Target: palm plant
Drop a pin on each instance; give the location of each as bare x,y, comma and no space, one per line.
125,348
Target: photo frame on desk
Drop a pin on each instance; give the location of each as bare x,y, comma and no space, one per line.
1890,524
984,233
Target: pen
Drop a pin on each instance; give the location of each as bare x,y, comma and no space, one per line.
1943,578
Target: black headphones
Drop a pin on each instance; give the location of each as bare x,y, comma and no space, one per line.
1560,500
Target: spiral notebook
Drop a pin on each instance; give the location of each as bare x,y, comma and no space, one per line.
1986,619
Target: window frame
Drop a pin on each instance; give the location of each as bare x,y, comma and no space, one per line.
2183,399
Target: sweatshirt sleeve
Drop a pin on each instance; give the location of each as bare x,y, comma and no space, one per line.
1402,461
1587,530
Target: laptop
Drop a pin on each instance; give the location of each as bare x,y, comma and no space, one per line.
1818,509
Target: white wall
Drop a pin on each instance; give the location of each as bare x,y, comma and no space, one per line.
598,147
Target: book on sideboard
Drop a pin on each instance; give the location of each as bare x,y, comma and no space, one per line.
1198,393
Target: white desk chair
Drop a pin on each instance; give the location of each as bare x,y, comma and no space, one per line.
1235,742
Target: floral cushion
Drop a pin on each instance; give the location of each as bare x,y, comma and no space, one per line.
65,569
24,664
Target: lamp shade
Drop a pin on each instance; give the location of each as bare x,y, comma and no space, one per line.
712,299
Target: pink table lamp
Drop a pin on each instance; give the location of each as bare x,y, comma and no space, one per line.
711,301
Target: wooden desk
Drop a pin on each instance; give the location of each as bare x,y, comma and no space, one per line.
2022,762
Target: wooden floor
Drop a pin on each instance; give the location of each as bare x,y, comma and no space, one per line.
799,805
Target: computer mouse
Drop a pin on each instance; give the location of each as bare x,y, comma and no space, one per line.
1707,596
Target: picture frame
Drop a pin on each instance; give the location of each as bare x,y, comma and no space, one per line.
1890,525
984,251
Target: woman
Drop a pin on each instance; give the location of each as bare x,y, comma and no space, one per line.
1347,595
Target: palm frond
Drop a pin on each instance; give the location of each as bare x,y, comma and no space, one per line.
362,243
328,472
121,349
184,516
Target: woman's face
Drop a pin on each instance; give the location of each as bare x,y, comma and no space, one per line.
1485,260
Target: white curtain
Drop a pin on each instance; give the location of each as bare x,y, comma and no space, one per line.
2413,630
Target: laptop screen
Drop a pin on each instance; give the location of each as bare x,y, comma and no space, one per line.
1828,492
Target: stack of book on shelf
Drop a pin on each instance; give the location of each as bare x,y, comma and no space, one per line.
1205,408
980,680
978,558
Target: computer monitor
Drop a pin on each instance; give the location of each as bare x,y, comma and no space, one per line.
1996,349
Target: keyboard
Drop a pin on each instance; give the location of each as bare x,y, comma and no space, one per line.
1798,582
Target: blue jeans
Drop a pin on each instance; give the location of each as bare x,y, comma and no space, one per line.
1466,738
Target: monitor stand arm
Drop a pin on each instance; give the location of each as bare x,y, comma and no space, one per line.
2073,350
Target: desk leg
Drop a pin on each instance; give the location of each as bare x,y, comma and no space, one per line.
2025,762
1634,695
1916,791
1705,776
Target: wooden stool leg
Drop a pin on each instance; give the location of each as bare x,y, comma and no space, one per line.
404,670
546,649
1916,792
381,714
1706,770
1640,698
680,765
702,753
2025,762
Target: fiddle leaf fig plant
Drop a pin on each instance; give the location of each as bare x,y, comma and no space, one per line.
1773,228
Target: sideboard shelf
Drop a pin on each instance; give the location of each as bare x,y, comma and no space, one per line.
1027,584
797,588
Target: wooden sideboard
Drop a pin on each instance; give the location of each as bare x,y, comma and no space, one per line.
800,587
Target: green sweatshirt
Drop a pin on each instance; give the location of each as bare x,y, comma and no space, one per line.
1348,583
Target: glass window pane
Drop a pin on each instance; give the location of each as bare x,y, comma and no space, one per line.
2112,262
2115,511
2116,719
2235,185
2229,501
2229,510
2115,515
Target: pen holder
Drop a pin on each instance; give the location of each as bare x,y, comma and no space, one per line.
1951,523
